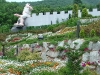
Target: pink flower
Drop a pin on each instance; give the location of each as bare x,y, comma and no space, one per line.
83,64
88,63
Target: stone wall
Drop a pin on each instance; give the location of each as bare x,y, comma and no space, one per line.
48,19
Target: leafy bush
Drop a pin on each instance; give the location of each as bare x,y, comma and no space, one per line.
27,55
70,35
23,54
95,39
84,13
74,61
33,56
50,28
92,33
89,72
44,73
10,53
82,33
71,22
95,26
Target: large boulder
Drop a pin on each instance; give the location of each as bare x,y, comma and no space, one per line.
18,28
77,43
53,54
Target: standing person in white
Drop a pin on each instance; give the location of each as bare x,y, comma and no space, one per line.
26,13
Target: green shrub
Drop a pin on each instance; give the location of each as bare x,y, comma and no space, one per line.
84,13
89,72
62,71
74,61
44,73
23,54
27,55
95,39
33,56
92,27
50,28
70,35
71,22
82,34
10,53
92,33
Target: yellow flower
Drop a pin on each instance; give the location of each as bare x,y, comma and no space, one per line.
87,65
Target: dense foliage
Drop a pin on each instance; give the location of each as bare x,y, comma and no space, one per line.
92,29
7,9
6,15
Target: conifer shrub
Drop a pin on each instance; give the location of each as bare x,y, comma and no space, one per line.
92,33
82,33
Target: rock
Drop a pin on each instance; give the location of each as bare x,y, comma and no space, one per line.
29,34
61,44
43,55
18,28
26,46
69,42
94,56
32,45
98,69
51,46
92,67
49,34
66,46
39,49
77,43
96,46
40,36
90,45
45,45
85,56
62,53
53,54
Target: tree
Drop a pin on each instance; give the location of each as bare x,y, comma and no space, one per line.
75,11
84,13
98,6
2,1
77,2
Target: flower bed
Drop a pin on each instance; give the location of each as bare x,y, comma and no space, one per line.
28,67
